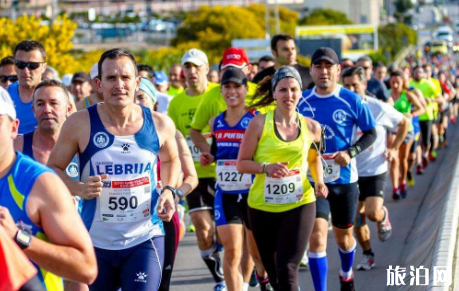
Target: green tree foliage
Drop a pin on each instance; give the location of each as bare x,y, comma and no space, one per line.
327,16
394,37
401,7
213,29
161,59
288,18
57,38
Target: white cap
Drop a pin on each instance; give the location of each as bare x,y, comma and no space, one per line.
6,104
67,80
94,71
195,56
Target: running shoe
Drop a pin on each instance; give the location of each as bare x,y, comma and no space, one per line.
191,228
253,280
419,170
220,287
266,287
410,179
367,263
396,194
264,283
452,119
403,191
433,156
425,162
305,261
347,285
384,227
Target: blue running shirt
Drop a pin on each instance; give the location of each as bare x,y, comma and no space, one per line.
339,114
229,140
24,112
15,188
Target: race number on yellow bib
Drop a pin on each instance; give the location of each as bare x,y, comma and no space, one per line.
126,201
284,190
229,179
195,151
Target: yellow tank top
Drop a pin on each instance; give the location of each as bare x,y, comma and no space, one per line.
279,195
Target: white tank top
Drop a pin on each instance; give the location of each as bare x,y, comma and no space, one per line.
125,213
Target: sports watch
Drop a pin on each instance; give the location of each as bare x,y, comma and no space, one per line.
23,238
172,189
352,151
179,194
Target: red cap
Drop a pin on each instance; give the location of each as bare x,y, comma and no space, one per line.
235,57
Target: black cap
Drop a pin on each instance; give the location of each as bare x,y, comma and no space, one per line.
235,75
80,77
325,54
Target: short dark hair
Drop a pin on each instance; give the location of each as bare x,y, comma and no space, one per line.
147,68
379,64
425,66
266,59
365,59
51,83
278,37
114,54
356,70
397,73
7,61
30,45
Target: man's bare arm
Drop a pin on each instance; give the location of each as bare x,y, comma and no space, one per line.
69,252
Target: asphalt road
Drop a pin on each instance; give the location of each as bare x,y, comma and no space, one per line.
191,274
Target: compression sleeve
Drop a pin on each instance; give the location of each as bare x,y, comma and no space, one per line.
367,139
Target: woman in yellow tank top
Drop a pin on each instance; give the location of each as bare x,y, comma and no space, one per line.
279,148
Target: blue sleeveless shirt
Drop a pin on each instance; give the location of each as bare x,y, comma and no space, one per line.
15,188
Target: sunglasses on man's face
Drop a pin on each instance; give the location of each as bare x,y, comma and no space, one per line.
12,78
30,65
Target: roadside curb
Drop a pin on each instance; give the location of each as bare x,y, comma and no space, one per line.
446,238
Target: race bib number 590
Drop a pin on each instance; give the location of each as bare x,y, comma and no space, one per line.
125,201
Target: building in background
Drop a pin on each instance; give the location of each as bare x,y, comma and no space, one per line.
359,11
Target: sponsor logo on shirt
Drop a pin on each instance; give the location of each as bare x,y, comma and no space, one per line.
220,123
328,133
101,139
72,170
339,116
125,147
245,122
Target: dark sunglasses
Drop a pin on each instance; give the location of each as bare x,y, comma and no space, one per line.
12,78
30,65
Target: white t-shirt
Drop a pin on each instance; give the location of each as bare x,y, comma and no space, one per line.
372,161
163,102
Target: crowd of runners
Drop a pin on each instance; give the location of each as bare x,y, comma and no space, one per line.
99,168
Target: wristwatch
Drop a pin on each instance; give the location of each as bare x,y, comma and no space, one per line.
352,152
179,194
23,239
172,189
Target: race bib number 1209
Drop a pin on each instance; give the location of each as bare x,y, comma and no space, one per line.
284,190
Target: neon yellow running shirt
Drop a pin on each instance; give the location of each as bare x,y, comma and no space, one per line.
279,195
181,110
